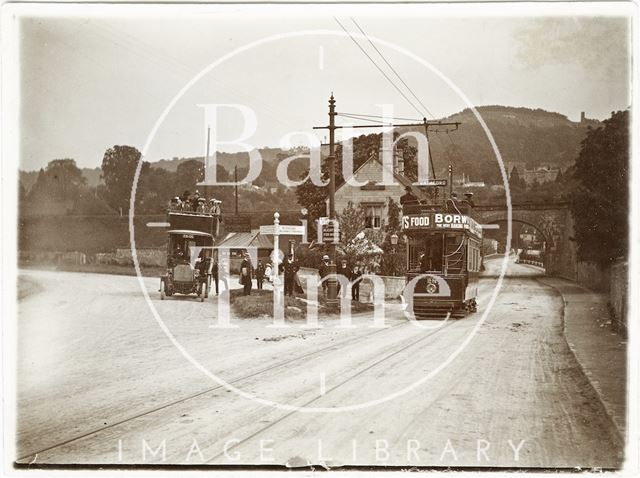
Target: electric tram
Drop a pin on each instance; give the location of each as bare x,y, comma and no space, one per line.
443,257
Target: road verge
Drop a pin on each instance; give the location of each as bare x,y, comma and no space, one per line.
600,352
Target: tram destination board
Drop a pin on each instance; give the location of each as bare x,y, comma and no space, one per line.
441,221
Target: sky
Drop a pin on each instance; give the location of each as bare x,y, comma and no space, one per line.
89,81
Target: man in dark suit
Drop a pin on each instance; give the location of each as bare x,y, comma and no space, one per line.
214,271
289,267
323,270
246,273
356,278
344,270
260,274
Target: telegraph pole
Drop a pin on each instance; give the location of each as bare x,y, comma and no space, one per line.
332,285
235,178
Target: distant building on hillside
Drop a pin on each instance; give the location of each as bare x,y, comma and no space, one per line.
540,174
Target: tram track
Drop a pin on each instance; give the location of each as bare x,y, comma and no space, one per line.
397,351
332,347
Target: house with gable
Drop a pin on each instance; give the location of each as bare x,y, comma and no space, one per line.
373,196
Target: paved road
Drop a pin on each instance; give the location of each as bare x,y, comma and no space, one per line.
99,382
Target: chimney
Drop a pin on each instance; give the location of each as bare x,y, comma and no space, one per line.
583,118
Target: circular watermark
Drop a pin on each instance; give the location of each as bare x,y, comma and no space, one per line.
221,381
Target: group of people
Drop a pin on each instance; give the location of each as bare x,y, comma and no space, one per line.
195,203
288,268
353,274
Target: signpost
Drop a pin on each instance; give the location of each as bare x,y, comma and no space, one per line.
276,230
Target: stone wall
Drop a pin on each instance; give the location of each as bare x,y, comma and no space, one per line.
146,256
592,276
393,288
618,295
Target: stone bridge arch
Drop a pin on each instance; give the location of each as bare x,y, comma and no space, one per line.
553,220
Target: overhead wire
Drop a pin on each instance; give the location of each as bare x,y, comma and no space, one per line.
392,68
378,67
344,115
381,117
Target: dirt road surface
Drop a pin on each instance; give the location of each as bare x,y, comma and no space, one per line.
99,382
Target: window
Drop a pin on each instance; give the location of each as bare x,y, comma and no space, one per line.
373,216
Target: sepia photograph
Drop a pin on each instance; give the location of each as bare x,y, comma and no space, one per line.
319,237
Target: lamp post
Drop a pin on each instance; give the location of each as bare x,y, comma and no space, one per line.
394,243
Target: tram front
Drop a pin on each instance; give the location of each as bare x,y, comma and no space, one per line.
443,262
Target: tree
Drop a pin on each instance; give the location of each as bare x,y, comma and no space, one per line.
119,165
189,173
515,181
61,189
351,222
155,188
600,203
393,216
393,260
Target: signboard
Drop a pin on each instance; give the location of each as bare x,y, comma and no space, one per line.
433,182
289,230
233,223
331,232
435,221
268,230
282,229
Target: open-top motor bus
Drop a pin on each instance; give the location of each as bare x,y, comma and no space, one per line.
189,264
443,243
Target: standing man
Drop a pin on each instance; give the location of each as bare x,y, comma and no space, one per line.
246,273
260,270
343,270
356,278
195,200
323,270
214,270
290,268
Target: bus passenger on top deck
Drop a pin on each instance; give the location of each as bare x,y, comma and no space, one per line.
214,207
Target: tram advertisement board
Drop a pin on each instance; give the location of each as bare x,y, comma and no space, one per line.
438,221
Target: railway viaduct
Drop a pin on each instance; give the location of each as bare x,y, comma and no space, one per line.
554,220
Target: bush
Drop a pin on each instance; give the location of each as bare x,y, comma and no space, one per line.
307,257
260,304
